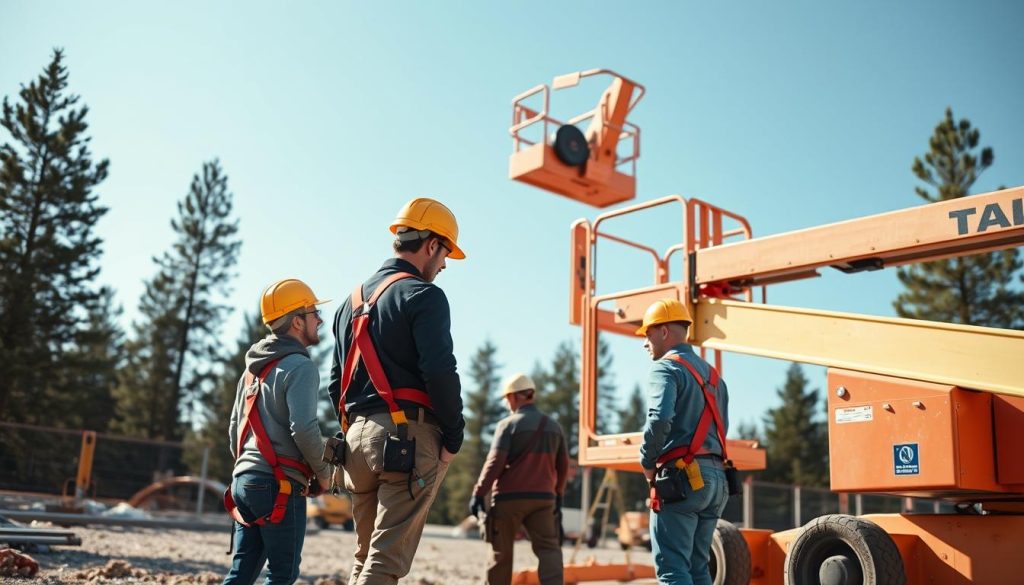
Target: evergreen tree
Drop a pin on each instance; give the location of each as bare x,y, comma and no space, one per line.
93,362
747,430
559,392
796,436
632,418
633,415
176,343
48,250
973,290
483,410
483,406
607,407
219,404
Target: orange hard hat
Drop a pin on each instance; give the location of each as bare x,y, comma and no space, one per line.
285,296
428,214
664,311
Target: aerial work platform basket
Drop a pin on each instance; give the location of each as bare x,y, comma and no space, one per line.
584,165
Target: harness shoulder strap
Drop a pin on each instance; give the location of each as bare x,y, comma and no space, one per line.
363,349
709,414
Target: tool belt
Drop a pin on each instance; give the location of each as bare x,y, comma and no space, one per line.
677,469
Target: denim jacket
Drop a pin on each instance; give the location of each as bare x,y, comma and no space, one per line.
674,405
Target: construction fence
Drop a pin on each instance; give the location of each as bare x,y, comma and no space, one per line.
45,460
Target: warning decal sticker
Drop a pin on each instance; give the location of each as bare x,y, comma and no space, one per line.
905,459
855,414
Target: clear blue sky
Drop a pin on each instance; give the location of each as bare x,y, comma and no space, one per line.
328,116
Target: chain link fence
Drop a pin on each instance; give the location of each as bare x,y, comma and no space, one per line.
45,461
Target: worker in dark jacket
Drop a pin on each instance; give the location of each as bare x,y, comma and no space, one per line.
682,530
527,467
398,394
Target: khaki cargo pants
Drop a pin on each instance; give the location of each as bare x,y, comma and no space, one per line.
389,521
541,524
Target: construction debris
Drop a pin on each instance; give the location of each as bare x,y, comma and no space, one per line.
17,564
121,569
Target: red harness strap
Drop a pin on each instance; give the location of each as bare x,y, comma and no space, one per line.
251,421
710,412
362,348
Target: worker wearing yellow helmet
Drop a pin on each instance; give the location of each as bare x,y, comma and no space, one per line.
525,472
683,453
275,438
397,391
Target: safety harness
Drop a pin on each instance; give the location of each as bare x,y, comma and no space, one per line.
362,347
251,421
710,413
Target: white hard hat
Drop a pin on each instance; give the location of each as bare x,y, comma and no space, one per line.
517,383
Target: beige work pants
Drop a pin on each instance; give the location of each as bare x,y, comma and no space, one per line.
388,520
541,524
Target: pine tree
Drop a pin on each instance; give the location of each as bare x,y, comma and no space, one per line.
633,415
607,407
747,430
796,436
483,410
219,404
93,363
632,418
483,407
48,250
973,290
176,343
559,392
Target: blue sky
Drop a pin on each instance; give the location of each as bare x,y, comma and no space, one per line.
328,116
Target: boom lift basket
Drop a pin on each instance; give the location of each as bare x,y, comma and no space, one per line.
583,165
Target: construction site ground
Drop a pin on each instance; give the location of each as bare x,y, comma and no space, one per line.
130,554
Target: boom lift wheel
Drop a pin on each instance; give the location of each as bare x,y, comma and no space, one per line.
843,550
730,557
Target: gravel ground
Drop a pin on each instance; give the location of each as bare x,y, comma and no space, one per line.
126,555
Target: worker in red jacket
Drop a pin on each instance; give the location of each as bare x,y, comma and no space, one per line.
527,467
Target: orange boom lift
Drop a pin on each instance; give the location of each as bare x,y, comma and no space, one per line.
916,408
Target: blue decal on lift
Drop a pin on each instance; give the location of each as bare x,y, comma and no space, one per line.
905,459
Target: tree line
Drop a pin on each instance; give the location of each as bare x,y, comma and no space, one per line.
69,363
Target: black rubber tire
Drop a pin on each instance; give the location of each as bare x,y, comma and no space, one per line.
730,556
863,542
348,525
571,146
321,523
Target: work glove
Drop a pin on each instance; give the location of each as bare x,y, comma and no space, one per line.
558,505
476,505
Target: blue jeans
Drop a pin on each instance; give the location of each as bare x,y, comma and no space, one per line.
681,533
279,546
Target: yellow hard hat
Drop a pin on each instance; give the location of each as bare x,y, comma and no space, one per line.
427,214
284,296
517,383
664,311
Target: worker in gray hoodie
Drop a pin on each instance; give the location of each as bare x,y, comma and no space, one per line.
276,440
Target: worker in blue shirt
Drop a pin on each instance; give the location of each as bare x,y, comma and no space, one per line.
682,529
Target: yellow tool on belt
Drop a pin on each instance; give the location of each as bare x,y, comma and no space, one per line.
692,473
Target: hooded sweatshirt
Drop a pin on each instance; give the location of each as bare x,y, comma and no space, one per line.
287,407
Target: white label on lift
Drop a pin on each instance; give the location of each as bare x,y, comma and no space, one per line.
854,414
